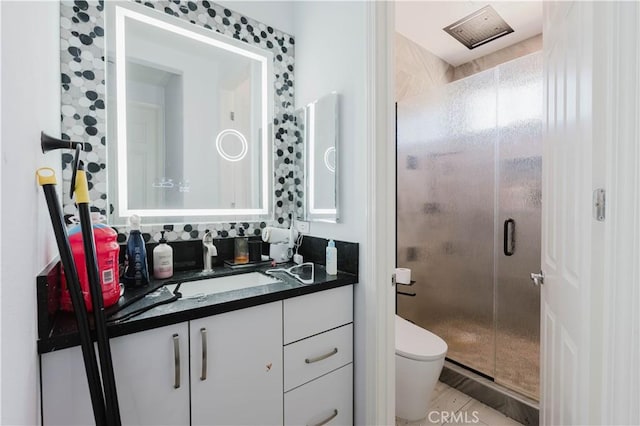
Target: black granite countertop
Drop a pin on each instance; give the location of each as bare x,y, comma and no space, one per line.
63,333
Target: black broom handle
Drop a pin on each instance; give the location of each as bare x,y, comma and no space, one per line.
104,349
47,179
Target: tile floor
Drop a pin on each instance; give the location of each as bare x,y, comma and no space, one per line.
451,407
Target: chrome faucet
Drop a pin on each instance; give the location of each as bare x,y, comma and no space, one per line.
208,250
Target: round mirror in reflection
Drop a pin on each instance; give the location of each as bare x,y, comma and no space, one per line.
231,138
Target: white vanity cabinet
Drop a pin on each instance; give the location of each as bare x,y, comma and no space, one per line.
152,377
236,367
318,358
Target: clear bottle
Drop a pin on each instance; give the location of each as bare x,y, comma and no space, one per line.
241,250
162,259
331,261
137,272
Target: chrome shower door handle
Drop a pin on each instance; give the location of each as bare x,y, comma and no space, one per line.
509,242
203,335
538,279
176,360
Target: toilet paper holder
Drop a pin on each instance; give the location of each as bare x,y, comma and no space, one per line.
403,293
409,284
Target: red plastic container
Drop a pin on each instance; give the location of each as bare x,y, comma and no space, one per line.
107,252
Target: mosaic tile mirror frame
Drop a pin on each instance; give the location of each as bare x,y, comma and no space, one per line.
83,108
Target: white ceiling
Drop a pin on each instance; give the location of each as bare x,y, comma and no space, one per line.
423,22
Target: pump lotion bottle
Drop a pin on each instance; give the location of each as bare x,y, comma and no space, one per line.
331,261
162,259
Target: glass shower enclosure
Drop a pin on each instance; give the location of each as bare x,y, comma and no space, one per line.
468,218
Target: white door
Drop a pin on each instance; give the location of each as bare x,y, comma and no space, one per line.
567,250
236,367
145,148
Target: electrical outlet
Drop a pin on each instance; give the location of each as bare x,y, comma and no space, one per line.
302,226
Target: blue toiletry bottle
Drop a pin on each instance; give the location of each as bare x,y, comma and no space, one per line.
137,272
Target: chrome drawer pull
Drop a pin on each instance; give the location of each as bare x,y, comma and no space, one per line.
327,420
176,359
321,357
203,334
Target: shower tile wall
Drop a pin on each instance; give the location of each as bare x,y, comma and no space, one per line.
468,159
417,69
523,48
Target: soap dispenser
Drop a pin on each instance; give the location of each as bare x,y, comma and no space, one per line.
331,261
137,273
162,259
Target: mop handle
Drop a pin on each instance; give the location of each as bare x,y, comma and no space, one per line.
104,350
47,179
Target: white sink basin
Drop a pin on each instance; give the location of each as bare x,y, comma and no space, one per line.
221,284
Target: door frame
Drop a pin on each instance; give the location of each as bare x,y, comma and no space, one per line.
379,253
614,305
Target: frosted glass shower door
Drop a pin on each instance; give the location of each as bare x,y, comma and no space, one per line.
468,218
519,197
446,204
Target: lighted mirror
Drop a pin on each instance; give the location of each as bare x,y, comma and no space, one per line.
318,124
189,119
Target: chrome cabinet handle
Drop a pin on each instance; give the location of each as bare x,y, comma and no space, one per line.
321,357
176,359
327,420
203,335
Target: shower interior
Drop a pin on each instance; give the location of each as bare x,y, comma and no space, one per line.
468,218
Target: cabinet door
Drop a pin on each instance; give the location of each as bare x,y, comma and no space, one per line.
65,392
152,376
325,400
236,367
144,366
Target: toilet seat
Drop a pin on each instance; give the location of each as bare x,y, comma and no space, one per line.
416,343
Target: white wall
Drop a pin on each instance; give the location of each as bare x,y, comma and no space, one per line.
330,56
278,14
30,103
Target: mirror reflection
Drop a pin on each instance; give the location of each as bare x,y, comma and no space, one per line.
318,122
190,110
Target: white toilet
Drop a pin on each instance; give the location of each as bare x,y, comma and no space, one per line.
419,360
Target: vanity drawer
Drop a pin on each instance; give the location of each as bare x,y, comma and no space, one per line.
310,358
314,313
326,400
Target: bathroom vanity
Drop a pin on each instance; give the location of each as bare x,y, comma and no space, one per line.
280,353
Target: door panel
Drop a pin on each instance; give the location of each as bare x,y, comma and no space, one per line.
446,202
144,364
519,200
566,207
244,380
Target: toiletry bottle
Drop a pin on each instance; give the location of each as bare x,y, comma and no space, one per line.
162,259
137,273
332,258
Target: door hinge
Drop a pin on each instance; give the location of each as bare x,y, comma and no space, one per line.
599,204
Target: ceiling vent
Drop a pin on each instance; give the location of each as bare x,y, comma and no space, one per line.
479,28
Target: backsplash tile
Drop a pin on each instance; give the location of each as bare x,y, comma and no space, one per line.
83,111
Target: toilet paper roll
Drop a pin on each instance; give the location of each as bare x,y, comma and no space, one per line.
403,275
275,235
